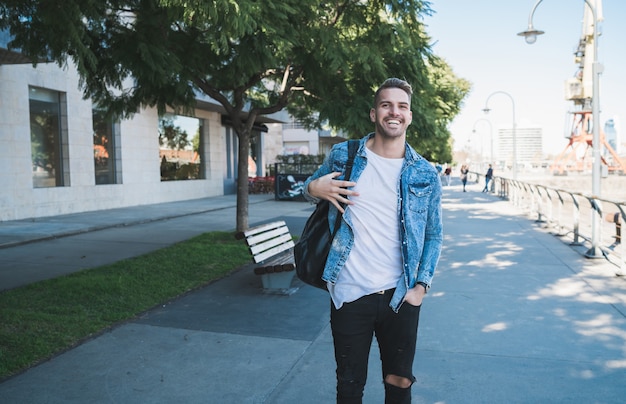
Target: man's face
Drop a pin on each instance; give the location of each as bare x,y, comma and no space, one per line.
392,114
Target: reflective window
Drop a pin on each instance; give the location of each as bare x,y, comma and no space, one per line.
104,148
180,147
46,139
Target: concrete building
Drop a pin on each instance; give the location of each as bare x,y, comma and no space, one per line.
299,140
612,136
529,145
59,155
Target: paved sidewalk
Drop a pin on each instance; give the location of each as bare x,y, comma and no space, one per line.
43,248
514,316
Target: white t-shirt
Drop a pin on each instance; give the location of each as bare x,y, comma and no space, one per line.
375,261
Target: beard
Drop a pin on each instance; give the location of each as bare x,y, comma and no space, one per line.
393,132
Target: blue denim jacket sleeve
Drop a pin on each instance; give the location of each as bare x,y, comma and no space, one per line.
421,226
419,201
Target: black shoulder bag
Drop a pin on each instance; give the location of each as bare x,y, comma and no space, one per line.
312,249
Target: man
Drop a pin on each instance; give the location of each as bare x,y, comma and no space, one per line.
384,254
488,177
464,173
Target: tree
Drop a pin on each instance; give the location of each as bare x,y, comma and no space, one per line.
450,91
318,59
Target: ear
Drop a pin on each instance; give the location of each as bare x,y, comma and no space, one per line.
373,115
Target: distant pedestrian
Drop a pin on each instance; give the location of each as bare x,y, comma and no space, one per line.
488,178
464,172
448,173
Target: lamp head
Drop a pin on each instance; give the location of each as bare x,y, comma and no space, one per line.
530,35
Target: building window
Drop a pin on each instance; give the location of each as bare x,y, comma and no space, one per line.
105,154
254,155
294,124
48,138
180,147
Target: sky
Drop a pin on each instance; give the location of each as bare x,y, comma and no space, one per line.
478,39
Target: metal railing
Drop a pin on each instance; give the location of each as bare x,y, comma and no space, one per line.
568,214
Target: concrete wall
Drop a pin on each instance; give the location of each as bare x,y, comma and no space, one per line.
300,141
138,148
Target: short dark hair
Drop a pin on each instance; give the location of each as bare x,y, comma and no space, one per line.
394,83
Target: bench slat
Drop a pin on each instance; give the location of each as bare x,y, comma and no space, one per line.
262,228
273,251
267,236
256,249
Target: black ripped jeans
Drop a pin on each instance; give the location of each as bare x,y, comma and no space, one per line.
353,327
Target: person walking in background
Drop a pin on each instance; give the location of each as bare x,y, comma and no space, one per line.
448,174
384,255
488,177
464,172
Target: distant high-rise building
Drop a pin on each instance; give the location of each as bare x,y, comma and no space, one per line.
529,145
610,132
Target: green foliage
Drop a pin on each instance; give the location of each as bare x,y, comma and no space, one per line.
319,60
433,138
45,318
322,60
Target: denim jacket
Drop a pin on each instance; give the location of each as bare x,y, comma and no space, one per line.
419,202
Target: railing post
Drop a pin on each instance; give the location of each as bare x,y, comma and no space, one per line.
596,209
540,214
549,207
518,194
534,209
615,218
618,219
576,219
559,218
523,192
621,271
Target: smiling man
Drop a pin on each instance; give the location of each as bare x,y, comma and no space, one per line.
384,255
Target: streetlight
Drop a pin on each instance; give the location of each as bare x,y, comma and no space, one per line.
490,137
486,110
531,36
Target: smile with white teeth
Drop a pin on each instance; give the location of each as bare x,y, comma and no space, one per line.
393,122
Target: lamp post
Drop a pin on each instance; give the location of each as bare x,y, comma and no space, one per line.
490,137
486,110
531,36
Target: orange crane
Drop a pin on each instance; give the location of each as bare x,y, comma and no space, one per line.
576,156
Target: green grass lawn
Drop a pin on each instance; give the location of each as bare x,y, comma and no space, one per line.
40,320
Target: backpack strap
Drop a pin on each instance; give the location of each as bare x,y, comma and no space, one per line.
353,147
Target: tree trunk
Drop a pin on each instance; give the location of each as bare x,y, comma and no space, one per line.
242,180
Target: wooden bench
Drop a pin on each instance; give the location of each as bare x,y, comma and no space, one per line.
271,247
